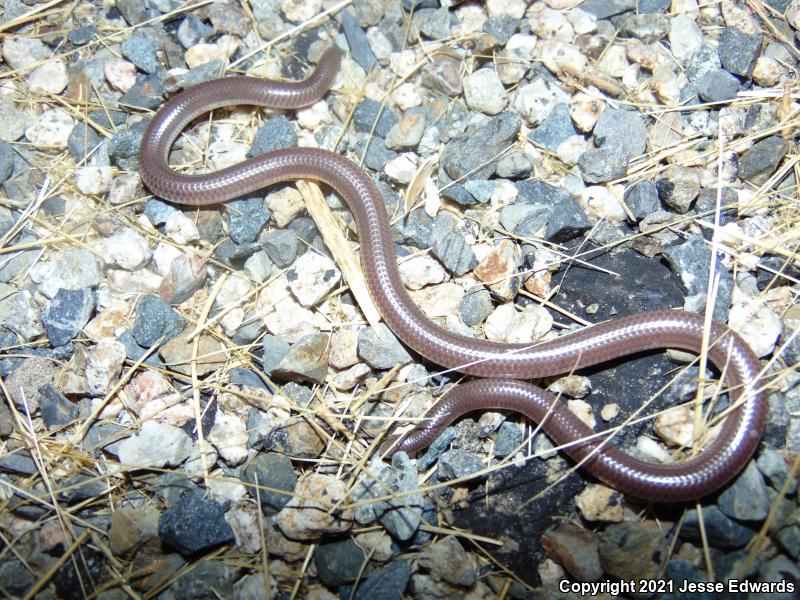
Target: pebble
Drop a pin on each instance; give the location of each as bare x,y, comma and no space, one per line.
155,319
447,561
407,133
177,353
49,78
632,550
275,134
358,42
746,499
386,583
126,249
598,165
50,131
621,127
371,117
132,528
180,228
775,468
457,463
193,525
420,271
761,160
450,246
678,187
600,503
281,247
738,51
717,86
466,157
600,202
229,436
575,549
54,407
245,219
305,360
22,52
155,445
498,267
442,74
192,30
67,314
756,322
121,75
274,471
484,92
402,169
103,366
676,426
140,49
94,180
556,129
306,515
312,277
338,562
721,531
20,313
684,37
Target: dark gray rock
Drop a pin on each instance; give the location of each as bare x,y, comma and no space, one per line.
306,360
509,437
501,27
76,579
338,562
555,129
80,488
780,571
642,199
513,165
653,6
199,74
247,378
54,407
69,311
602,9
245,218
271,470
370,117
417,229
543,209
148,93
717,86
360,49
157,211
377,154
775,468
192,30
140,49
208,580
123,149
19,462
273,350
82,35
7,158
465,156
450,246
690,261
738,51
705,60
481,189
746,498
82,141
382,351
194,524
135,352
433,23
475,306
418,4
135,11
155,319
281,247
763,158
621,128
387,583
721,531
679,571
458,463
436,449
6,420
632,550
275,134
16,578
459,194
648,27
598,165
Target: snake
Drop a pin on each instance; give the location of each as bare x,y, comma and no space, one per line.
500,371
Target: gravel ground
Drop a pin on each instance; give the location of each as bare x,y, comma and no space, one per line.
190,396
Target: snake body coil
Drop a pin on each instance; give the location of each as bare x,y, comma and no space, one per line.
500,364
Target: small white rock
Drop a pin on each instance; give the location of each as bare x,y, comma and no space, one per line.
285,204
312,276
585,110
103,366
599,201
402,169
126,249
507,324
512,8
180,229
676,426
155,445
343,351
755,321
51,130
419,271
94,180
768,71
229,436
600,503
314,116
49,78
297,11
483,92
609,411
684,37
582,410
22,52
120,74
